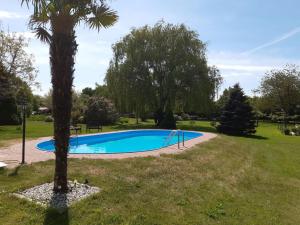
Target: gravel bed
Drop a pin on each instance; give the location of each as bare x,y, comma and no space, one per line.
43,194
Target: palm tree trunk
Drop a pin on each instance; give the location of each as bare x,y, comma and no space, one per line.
63,48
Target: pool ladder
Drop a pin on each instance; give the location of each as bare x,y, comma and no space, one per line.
172,134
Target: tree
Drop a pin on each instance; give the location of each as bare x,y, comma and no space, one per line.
216,80
8,106
54,22
78,108
168,121
47,100
237,117
15,59
37,102
88,91
282,88
224,98
160,69
18,72
13,91
100,111
101,90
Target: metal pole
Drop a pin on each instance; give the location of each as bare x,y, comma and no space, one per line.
183,138
178,135
24,127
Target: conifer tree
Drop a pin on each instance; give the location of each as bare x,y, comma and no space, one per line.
237,116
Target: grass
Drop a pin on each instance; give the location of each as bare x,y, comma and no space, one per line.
229,180
36,129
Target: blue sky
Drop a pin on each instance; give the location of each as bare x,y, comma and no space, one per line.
245,38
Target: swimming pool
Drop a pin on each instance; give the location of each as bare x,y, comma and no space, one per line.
122,142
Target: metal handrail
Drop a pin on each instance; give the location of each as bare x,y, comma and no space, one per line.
170,136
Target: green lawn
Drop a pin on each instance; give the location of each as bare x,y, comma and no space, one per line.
229,180
35,129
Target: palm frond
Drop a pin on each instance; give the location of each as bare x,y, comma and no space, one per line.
38,20
95,13
42,34
38,5
101,16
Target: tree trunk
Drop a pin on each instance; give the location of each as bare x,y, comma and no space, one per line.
63,48
136,115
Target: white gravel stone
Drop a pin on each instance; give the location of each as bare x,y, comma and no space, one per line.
43,194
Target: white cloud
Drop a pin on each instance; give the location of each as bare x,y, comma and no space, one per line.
10,15
245,69
273,42
28,35
230,61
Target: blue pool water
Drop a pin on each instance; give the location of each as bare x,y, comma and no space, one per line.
121,142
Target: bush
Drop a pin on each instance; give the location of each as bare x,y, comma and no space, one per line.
185,116
100,111
177,117
296,118
276,118
144,116
213,123
37,118
49,119
123,120
76,116
296,130
168,121
81,119
9,114
158,116
286,131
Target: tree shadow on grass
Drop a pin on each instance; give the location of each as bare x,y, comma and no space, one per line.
54,216
257,137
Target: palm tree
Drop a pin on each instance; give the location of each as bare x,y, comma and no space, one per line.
54,22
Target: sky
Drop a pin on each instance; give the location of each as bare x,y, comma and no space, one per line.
245,38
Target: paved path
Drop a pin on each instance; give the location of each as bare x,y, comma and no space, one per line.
12,154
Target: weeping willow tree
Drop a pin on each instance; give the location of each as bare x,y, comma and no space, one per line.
160,69
54,22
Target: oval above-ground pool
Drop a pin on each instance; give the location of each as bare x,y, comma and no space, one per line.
123,142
